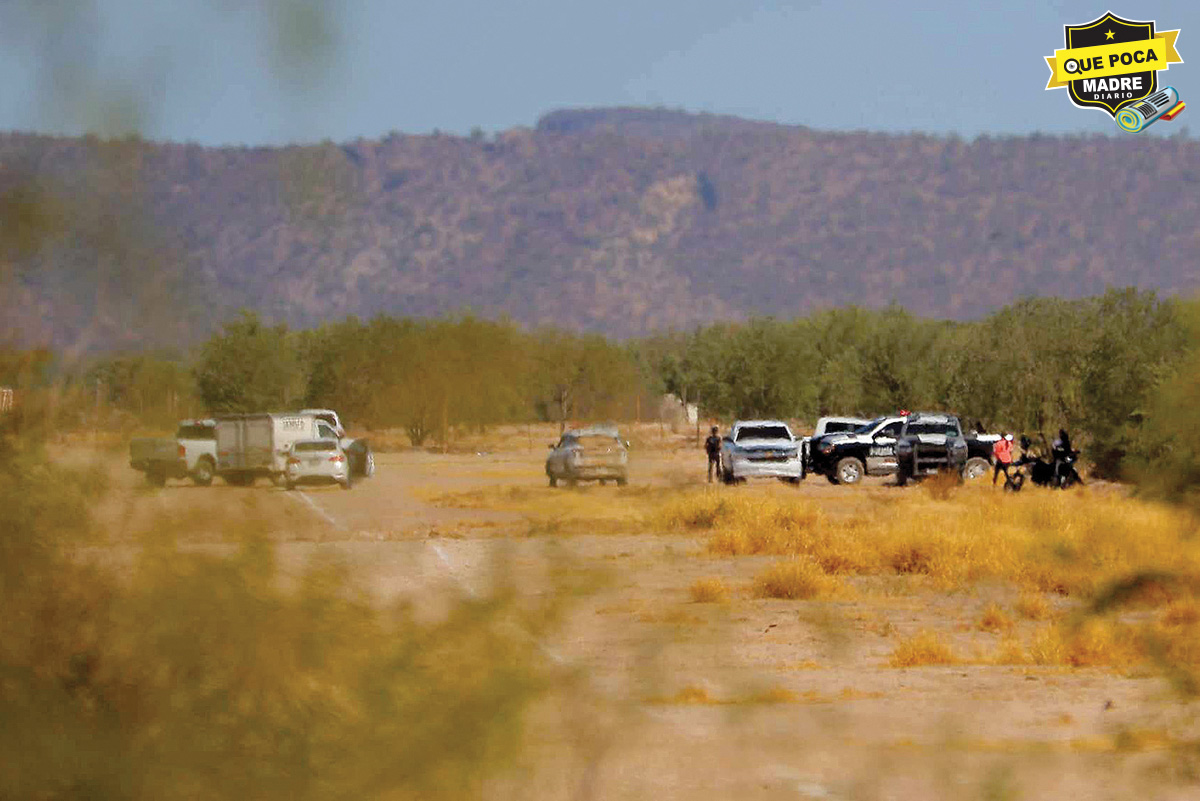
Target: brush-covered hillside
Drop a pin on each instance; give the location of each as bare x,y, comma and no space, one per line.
620,220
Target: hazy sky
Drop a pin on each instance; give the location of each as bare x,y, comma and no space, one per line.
210,71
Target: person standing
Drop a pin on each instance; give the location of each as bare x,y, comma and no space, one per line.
712,446
1002,457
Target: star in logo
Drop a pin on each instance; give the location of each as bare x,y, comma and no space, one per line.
1108,34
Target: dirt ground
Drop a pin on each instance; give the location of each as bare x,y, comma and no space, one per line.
672,699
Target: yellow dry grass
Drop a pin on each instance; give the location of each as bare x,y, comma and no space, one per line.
1033,606
1091,642
924,648
695,695
796,580
708,591
995,620
1068,543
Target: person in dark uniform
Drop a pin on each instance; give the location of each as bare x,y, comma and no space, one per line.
712,446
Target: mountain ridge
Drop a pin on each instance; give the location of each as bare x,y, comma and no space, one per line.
621,221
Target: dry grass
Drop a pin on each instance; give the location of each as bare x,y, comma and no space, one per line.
695,695
708,591
1068,543
942,486
925,648
546,511
690,695
1032,606
1092,642
995,620
796,580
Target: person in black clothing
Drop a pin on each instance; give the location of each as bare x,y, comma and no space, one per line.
712,446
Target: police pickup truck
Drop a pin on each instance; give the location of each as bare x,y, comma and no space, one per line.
908,446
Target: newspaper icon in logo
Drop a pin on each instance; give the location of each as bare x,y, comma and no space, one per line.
1161,105
1112,64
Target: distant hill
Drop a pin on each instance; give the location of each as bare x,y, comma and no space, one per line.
615,220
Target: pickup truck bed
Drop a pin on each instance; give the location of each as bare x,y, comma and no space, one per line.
192,453
159,458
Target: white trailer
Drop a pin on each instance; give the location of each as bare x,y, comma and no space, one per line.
254,445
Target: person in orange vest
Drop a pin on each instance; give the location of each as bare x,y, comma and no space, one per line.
1002,457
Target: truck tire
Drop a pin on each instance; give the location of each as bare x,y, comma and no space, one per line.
976,467
850,470
622,481
728,477
156,477
203,474
553,480
831,478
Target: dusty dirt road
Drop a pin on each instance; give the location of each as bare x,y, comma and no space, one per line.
753,698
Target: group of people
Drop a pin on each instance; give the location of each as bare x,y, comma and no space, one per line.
1003,457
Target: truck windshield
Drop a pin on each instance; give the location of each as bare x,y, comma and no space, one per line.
945,428
763,432
196,432
866,429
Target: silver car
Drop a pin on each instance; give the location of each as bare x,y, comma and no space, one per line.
317,461
595,453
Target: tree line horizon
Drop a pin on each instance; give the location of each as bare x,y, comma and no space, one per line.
1103,367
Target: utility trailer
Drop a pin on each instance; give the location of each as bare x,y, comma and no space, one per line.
251,446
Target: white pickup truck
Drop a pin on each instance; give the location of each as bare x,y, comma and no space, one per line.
761,449
192,453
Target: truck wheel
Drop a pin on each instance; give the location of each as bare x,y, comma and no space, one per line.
553,480
976,467
156,478
728,477
622,481
849,471
203,474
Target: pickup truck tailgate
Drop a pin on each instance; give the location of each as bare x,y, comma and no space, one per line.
146,450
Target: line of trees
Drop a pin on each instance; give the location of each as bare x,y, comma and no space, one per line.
1114,369
1088,365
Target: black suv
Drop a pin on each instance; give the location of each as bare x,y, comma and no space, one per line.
911,446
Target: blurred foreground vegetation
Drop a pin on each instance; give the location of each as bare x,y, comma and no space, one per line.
196,675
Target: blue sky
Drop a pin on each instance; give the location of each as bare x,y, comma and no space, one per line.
210,71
